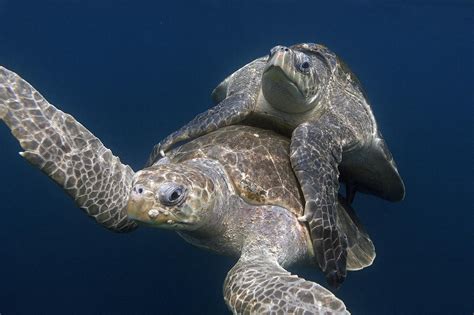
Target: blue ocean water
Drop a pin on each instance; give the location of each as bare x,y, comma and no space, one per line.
134,71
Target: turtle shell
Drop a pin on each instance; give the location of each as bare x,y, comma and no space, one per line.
256,161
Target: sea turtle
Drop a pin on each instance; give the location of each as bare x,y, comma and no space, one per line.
232,191
305,90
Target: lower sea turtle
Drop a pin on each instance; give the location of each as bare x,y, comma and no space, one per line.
232,191
305,90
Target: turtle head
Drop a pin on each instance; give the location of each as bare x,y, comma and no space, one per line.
174,196
294,78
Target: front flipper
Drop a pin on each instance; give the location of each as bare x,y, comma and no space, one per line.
315,154
259,285
67,152
230,111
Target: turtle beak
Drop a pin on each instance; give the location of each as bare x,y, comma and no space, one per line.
278,49
147,214
142,208
279,57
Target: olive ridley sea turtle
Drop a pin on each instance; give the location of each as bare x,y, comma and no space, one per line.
305,90
239,198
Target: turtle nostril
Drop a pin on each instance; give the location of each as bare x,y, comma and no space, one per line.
278,48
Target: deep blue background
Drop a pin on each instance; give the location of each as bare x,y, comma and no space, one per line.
132,72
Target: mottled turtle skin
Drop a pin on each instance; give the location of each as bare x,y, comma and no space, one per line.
307,92
236,199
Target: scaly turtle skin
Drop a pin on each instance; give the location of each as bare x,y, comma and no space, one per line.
308,92
233,198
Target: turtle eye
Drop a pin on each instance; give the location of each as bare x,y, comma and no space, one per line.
138,189
304,66
171,194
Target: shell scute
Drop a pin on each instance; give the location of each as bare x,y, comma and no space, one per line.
256,161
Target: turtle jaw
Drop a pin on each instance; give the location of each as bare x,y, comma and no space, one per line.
281,83
146,211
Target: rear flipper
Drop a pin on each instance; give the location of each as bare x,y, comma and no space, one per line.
67,152
360,249
259,285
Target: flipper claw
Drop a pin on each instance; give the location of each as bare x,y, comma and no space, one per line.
303,218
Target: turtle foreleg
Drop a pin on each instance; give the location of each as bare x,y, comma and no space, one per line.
230,111
67,152
315,154
259,285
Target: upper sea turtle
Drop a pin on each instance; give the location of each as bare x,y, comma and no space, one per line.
232,191
305,90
